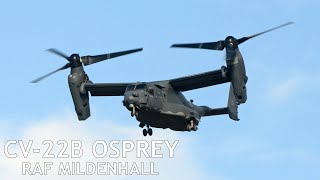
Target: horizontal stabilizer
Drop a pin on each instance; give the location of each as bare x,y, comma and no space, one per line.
217,111
233,114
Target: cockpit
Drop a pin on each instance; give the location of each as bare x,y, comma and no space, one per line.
140,86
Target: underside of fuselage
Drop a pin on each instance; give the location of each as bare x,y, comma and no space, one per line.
160,119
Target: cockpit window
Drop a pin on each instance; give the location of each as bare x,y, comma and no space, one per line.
141,86
130,87
150,90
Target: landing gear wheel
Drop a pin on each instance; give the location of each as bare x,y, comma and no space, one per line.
150,132
132,114
145,132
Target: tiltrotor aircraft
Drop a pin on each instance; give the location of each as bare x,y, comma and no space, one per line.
161,104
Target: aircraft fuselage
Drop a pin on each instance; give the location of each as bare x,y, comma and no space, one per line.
161,106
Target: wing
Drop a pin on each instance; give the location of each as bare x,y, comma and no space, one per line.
199,80
182,84
106,89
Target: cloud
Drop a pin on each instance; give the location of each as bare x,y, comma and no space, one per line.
286,89
66,128
258,151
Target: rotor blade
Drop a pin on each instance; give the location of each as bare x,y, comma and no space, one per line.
87,60
219,45
42,77
258,34
59,53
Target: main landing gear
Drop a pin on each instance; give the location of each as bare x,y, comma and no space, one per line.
146,131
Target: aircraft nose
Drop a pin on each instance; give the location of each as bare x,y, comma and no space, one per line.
131,97
134,98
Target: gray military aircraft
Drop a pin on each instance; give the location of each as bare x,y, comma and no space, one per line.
161,104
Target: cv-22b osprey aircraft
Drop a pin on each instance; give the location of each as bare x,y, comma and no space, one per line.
161,104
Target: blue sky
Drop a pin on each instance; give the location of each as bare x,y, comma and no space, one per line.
277,137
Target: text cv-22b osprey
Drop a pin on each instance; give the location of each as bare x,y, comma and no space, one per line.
161,104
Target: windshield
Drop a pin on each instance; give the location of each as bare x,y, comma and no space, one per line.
141,86
130,87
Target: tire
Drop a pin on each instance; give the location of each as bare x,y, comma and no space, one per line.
150,132
145,132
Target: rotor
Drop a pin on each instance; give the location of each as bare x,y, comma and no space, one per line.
229,41
75,60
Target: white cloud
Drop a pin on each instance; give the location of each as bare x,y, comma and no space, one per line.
286,88
253,149
184,164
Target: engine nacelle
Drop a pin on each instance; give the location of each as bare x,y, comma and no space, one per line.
237,74
80,99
